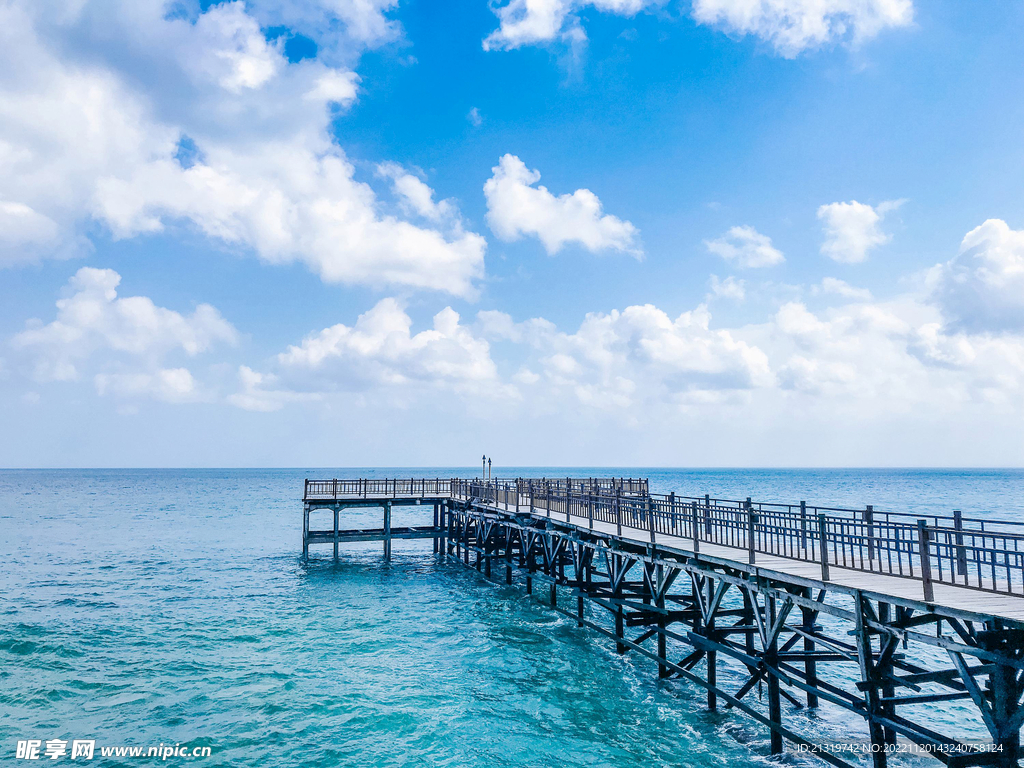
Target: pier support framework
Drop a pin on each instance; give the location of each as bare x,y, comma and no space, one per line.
760,641
794,640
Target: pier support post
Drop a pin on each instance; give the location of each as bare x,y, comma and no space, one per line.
810,665
529,571
884,671
437,524
868,676
442,511
580,587
659,603
617,577
553,573
337,509
712,656
387,530
488,549
478,535
771,654
305,532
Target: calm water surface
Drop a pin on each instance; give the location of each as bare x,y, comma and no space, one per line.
163,606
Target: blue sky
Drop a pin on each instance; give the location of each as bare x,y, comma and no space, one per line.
701,232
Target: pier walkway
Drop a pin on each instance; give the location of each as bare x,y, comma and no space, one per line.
789,593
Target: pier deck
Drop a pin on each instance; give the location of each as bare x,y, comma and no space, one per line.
922,609
963,599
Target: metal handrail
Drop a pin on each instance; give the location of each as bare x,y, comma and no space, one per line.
944,549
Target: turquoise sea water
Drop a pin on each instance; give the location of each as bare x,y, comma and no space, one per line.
146,607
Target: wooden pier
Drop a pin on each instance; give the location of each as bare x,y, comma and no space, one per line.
791,597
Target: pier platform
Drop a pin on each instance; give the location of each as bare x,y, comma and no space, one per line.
878,613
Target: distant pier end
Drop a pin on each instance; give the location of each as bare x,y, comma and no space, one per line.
879,613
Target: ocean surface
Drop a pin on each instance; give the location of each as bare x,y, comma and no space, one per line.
165,607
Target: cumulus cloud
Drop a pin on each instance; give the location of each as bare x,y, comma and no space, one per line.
381,349
861,358
415,195
26,234
745,247
528,22
852,229
261,392
515,207
729,288
789,26
636,355
837,287
982,288
172,385
895,356
127,337
794,26
93,318
97,103
336,24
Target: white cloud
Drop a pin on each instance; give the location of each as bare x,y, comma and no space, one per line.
381,349
515,207
92,321
416,196
634,356
793,26
858,363
837,287
260,392
94,100
982,288
745,247
474,117
230,49
361,21
790,26
172,385
890,357
527,22
730,288
852,229
25,234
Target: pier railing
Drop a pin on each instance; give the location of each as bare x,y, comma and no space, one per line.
413,487
408,487
934,549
